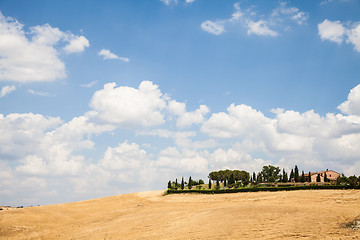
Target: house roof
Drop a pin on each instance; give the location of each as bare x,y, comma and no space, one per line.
313,173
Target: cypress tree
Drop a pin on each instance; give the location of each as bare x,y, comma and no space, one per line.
296,177
325,178
259,177
254,177
209,183
190,183
302,177
309,176
176,184
251,180
291,175
284,179
169,184
182,183
224,182
318,179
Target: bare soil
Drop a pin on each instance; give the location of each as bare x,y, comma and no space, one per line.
305,214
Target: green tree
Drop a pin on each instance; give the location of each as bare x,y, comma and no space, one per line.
291,175
259,177
342,180
285,177
325,178
224,182
182,183
231,179
214,176
296,177
254,177
190,183
318,179
201,181
176,183
270,173
169,184
352,180
309,178
302,177
210,183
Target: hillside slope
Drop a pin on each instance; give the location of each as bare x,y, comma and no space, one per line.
149,215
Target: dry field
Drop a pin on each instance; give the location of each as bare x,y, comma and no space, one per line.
315,214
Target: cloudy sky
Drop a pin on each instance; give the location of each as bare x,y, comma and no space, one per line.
99,98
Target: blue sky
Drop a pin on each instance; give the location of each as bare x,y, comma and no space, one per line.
102,98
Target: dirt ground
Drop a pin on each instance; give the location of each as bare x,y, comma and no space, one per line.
315,214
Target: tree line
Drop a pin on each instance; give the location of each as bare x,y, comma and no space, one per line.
268,174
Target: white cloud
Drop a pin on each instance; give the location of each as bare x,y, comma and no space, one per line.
352,105
260,28
185,161
36,59
6,90
127,106
292,13
354,37
324,2
311,124
181,138
106,54
124,157
167,2
289,134
53,160
215,28
76,44
331,30
43,94
20,134
336,31
89,85
187,119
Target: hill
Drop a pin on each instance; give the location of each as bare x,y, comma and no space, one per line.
149,215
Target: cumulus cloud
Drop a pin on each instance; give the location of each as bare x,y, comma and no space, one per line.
6,90
76,44
352,105
260,28
256,23
20,134
338,32
331,30
127,106
52,154
215,28
187,119
34,59
315,141
106,54
124,157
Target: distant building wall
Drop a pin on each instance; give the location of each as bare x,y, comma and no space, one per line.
330,174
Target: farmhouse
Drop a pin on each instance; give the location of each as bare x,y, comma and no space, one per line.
330,174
